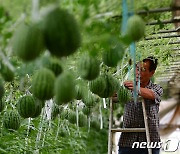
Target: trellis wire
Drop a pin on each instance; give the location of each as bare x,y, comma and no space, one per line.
77,115
26,139
157,10
48,109
101,120
58,127
38,137
104,103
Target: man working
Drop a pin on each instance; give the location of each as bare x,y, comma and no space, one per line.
133,112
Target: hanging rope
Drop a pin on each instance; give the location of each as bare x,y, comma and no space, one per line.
125,16
133,55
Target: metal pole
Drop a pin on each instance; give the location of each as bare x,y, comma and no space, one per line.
160,37
110,127
164,22
158,10
146,125
167,31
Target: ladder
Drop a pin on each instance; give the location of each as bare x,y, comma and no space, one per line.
113,130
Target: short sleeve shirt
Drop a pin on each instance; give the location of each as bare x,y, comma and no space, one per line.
133,118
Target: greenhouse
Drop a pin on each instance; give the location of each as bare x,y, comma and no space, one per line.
89,76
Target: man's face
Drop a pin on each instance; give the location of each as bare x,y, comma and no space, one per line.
143,69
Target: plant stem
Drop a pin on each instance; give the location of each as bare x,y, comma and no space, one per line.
101,120
89,123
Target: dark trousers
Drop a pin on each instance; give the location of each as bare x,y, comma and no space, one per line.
124,150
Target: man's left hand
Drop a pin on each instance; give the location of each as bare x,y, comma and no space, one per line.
129,85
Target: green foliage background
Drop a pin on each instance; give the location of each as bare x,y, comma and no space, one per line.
95,18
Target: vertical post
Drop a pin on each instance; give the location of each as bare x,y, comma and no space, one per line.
110,126
146,125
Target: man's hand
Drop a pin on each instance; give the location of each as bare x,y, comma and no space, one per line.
115,98
144,92
129,85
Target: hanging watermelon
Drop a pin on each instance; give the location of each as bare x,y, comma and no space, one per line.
11,120
43,84
26,106
72,117
110,86
81,91
38,108
98,85
89,100
55,66
113,55
6,73
87,110
2,105
123,95
88,67
135,28
61,32
65,88
1,88
82,120
28,41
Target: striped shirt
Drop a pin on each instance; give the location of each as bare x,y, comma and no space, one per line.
133,118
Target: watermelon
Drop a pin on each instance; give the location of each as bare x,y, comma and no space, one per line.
11,120
6,73
55,66
82,121
2,105
43,84
72,117
88,67
65,88
110,88
116,84
98,85
38,108
123,95
61,32
26,106
1,88
81,89
80,92
89,100
87,111
28,42
135,28
116,106
63,132
95,124
112,56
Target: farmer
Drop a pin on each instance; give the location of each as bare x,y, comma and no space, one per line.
133,112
